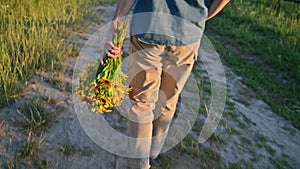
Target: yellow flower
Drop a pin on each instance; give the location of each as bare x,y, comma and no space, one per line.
107,90
105,83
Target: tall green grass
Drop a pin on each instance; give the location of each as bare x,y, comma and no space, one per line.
265,35
33,35
269,28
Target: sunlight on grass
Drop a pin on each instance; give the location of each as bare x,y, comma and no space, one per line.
261,41
33,35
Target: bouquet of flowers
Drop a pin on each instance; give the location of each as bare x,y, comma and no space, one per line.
107,88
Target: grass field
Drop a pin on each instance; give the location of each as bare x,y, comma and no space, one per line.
33,36
260,39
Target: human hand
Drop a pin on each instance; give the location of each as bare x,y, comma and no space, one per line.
111,51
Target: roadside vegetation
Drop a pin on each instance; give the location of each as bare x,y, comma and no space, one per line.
34,36
260,39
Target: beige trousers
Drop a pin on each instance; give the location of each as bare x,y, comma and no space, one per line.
157,75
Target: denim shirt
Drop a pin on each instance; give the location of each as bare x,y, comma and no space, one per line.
168,22
207,3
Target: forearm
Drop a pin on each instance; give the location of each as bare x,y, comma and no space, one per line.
215,7
123,8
